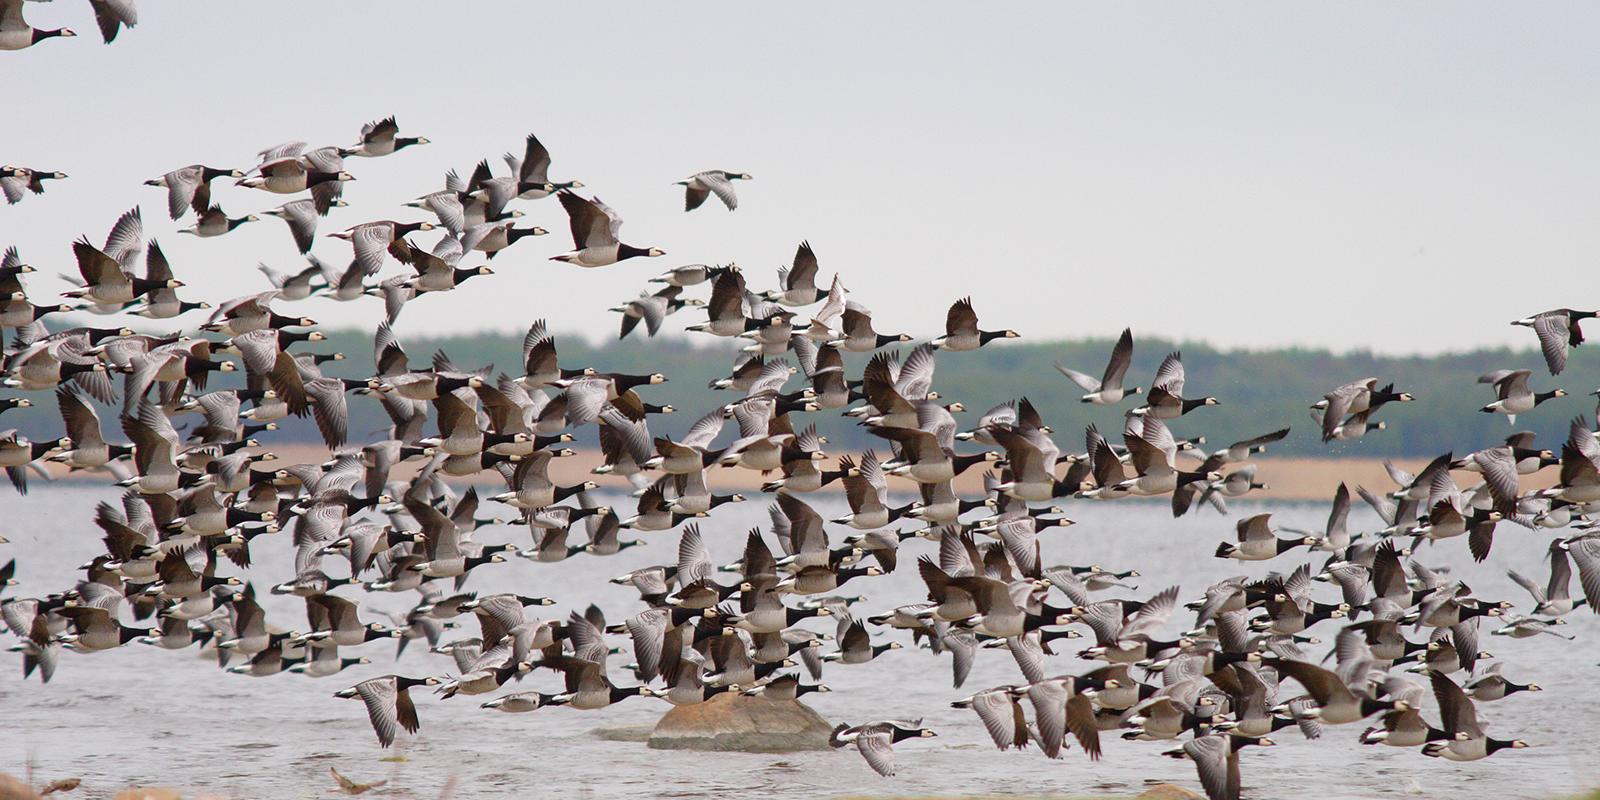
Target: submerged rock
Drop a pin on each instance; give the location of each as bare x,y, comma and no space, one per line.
732,721
1169,791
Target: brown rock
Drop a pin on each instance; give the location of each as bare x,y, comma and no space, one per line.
149,793
732,721
1169,791
13,789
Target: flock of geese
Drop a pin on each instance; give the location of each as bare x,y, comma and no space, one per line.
200,487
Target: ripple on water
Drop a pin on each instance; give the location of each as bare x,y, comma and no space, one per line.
100,735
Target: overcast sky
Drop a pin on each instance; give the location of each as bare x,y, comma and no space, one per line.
1401,177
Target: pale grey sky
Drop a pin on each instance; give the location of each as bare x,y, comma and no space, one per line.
1404,177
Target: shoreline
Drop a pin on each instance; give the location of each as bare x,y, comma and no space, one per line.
1293,479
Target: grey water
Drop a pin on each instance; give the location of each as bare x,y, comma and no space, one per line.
143,716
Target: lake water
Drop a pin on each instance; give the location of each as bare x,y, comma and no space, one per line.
139,715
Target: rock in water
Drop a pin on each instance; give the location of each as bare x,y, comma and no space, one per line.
732,721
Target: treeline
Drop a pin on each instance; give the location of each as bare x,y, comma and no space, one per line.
1260,390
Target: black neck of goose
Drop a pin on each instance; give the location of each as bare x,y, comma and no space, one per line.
1320,612
721,499
513,234
884,339
1494,745
1370,706
39,450
346,663
402,142
962,463
564,492
238,515
626,382
1220,659
234,222
286,338
132,634
402,683
797,614
195,364
41,35
249,431
652,408
209,582
450,383
462,274
620,694
39,312
315,177
1186,478
985,337
184,306
96,335
492,439
1190,405
625,251
209,174
276,320
541,441
1540,397
403,228
70,368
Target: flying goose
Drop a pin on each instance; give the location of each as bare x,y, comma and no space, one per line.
1257,542
1337,702
699,186
1558,331
492,237
1490,685
1554,599
875,741
301,215
190,187
1216,759
381,138
961,329
799,281
16,182
388,702
214,221
371,240
1166,400
533,171
1459,718
653,309
17,34
595,228
1512,393
289,169
1108,389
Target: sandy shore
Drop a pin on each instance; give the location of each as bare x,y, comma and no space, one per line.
1286,478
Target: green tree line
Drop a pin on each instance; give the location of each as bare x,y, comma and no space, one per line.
1259,390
